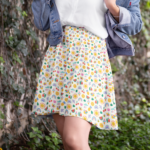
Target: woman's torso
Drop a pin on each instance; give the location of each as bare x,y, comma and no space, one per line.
84,13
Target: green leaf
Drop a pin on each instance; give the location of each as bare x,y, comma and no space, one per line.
32,135
27,32
37,140
124,103
35,129
2,116
21,89
2,105
6,3
148,104
15,86
16,103
22,46
24,14
55,140
34,36
137,109
1,124
54,134
11,38
18,8
1,59
39,136
47,138
148,5
15,57
144,100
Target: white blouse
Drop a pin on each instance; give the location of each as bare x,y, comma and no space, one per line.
84,13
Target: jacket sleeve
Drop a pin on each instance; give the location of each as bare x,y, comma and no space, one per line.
130,21
41,11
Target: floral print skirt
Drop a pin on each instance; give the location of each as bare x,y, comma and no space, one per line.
76,80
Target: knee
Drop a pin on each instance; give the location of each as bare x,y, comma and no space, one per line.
72,142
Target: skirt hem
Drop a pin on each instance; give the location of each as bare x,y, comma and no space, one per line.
49,115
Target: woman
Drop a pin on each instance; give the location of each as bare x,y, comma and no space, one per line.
76,83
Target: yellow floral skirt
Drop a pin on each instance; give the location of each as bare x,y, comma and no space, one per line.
76,80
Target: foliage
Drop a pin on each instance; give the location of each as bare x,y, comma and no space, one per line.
41,141
132,135
38,137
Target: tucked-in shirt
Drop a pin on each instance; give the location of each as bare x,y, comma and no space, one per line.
84,13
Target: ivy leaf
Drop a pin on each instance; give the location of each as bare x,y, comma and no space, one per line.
55,140
148,5
37,140
21,89
2,105
24,14
28,32
22,46
54,134
18,8
10,136
35,129
6,3
39,136
32,135
16,103
15,57
33,35
2,116
1,59
15,86
1,124
47,138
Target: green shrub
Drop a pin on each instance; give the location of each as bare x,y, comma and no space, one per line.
132,135
40,141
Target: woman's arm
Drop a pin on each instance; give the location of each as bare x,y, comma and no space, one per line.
130,21
113,8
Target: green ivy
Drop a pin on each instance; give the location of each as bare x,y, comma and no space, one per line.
132,135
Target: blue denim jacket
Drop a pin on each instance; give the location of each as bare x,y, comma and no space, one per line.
130,23
46,17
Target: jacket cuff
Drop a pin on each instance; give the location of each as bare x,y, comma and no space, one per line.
124,18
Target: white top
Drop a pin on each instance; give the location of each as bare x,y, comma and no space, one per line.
84,13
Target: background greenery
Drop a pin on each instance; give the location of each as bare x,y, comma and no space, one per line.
22,49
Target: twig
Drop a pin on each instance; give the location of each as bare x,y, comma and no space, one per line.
21,134
48,129
20,145
26,136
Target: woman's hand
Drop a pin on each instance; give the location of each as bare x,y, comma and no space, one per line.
113,8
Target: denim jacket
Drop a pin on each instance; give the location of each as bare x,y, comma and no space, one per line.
130,23
46,17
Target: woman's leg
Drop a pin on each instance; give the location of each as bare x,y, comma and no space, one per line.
76,133
59,120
